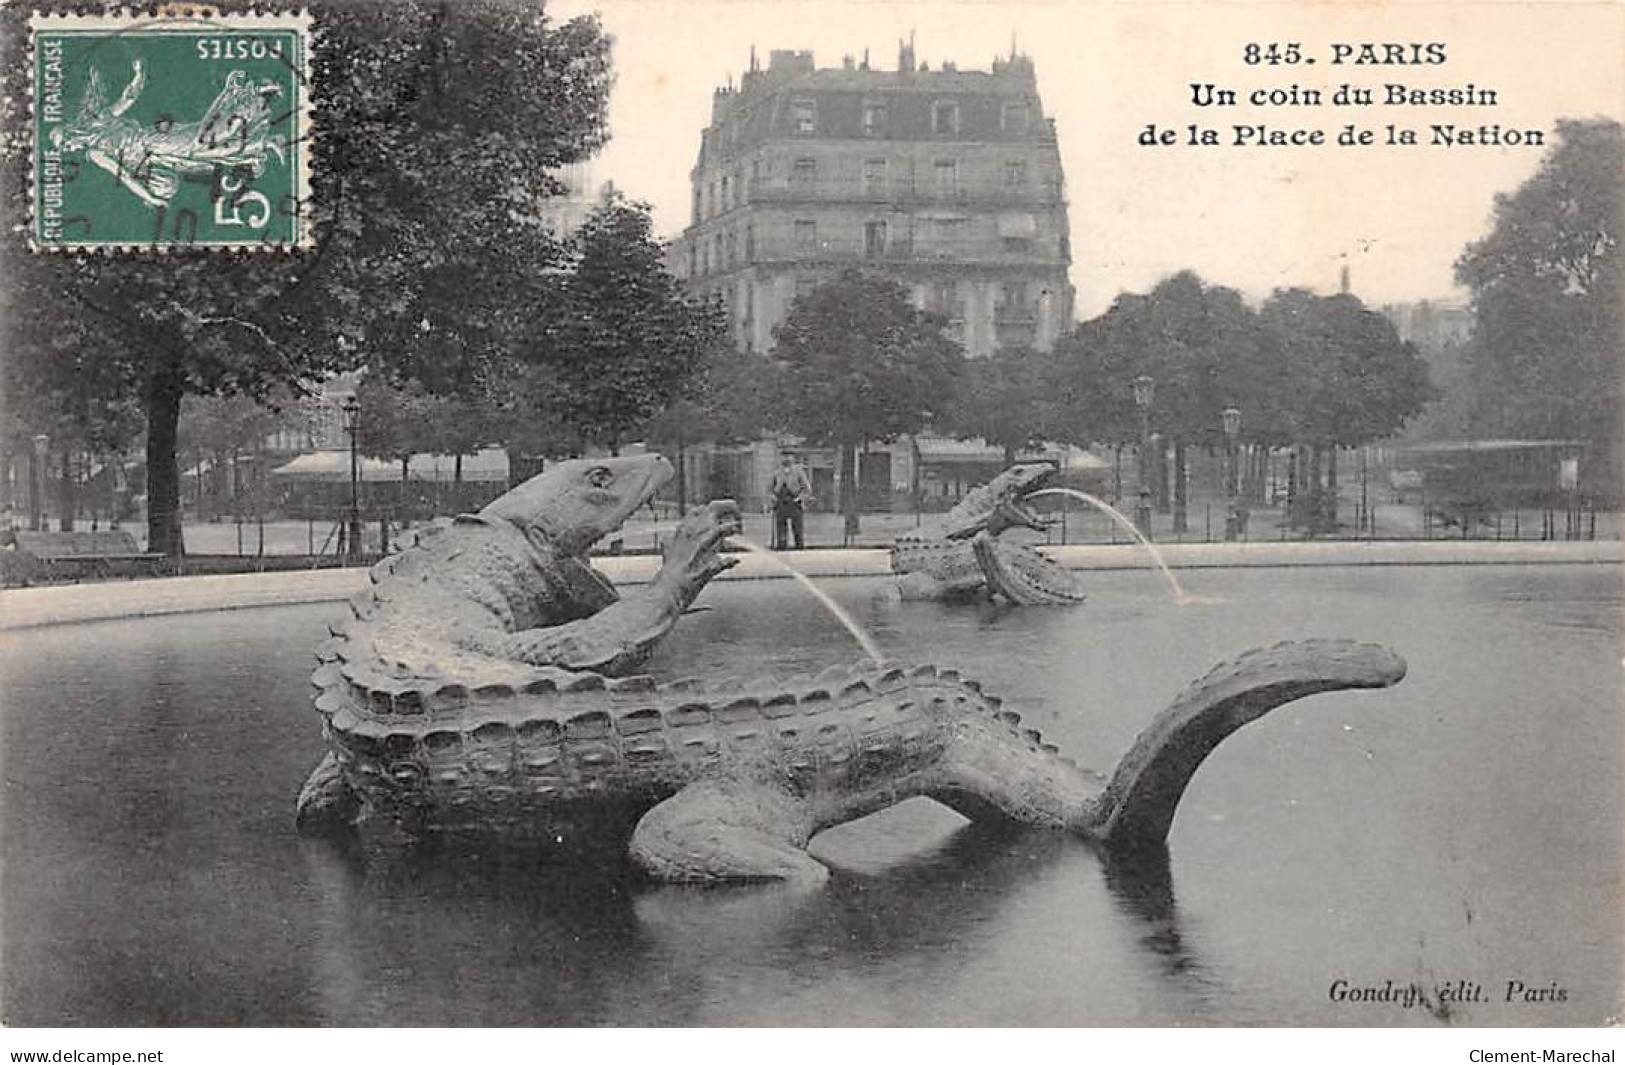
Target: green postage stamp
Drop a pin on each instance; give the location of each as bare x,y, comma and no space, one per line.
170,132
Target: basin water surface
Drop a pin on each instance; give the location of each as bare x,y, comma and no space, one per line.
1463,826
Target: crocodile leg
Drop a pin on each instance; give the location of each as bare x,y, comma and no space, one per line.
721,830
618,637
326,802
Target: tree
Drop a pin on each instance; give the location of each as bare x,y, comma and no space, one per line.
395,421
1351,378
1199,343
860,363
1546,292
621,341
1005,400
439,124
55,388
732,399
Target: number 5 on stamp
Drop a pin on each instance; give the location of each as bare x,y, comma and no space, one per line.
166,132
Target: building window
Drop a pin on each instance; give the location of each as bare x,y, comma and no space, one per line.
1015,174
696,206
874,176
804,115
693,260
705,259
755,174
874,239
949,230
1013,119
874,120
944,118
804,172
946,177
806,234
943,298
750,244
725,204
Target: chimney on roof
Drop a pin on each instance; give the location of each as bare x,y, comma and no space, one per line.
848,63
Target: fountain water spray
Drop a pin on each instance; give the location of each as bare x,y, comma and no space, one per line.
858,633
864,639
1118,516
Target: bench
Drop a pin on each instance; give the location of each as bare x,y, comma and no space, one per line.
75,554
92,543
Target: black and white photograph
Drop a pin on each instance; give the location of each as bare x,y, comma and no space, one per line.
759,514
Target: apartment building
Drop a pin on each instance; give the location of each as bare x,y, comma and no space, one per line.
948,180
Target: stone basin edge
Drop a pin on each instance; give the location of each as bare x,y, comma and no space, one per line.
22,608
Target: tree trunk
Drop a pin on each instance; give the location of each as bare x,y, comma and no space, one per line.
849,489
65,493
1331,489
682,475
1180,490
1313,492
1159,474
36,501
1117,474
163,408
457,469
1009,455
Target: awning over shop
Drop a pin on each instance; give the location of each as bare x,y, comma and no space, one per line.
489,465
946,450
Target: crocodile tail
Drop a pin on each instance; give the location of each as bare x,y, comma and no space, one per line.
1137,807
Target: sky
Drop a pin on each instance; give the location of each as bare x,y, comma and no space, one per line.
1249,216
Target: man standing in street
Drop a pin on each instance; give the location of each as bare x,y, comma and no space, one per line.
789,495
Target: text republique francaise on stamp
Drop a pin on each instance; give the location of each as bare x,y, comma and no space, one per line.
167,132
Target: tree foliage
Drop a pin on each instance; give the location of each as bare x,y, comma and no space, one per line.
1005,399
1348,377
1546,285
859,363
436,126
619,342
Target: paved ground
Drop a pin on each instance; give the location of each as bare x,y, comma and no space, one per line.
1204,524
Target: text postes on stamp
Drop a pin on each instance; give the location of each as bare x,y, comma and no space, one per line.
167,132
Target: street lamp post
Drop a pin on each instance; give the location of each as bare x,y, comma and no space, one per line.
1144,394
352,425
1232,512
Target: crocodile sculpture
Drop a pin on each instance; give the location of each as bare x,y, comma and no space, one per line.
486,683
961,555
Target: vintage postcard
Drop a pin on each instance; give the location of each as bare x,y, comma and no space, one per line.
727,513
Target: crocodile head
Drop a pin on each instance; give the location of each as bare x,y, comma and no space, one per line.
1002,503
576,503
